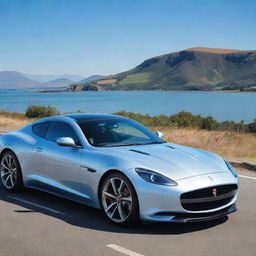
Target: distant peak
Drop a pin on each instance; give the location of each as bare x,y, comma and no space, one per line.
215,50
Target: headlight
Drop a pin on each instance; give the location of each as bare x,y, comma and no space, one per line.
154,177
231,168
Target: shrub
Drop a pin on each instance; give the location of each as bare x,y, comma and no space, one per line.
252,126
209,123
188,120
39,111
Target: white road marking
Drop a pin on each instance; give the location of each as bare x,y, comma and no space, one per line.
123,250
247,177
37,205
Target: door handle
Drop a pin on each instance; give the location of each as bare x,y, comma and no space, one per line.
85,168
39,150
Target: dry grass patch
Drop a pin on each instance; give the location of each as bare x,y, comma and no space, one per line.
216,50
12,114
107,81
242,145
13,121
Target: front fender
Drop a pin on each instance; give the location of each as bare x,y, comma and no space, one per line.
95,165
20,143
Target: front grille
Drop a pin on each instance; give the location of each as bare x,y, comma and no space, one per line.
208,198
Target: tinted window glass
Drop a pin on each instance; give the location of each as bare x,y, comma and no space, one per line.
117,132
60,129
41,129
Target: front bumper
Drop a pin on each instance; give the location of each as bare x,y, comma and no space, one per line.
194,217
162,203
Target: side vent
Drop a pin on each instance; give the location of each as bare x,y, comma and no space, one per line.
140,152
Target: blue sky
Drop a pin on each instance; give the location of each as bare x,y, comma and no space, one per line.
109,36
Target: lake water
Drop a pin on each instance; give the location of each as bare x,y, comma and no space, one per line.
221,105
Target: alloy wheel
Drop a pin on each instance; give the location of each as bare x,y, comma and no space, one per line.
117,199
8,172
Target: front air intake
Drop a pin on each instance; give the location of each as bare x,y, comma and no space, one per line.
208,198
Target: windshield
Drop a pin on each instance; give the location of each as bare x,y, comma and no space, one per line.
117,132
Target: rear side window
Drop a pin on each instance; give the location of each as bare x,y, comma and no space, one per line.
60,129
41,129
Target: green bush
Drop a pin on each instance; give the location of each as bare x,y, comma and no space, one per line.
188,120
39,111
209,123
180,120
252,126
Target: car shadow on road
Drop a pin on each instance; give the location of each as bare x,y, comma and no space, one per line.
89,218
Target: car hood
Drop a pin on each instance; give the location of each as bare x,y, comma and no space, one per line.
172,160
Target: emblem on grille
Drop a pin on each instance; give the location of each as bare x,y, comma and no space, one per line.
214,192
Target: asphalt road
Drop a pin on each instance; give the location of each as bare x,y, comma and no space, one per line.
36,223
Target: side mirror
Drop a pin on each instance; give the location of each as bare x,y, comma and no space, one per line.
159,134
66,141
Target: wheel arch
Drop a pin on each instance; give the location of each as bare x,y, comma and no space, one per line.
6,150
103,178
108,173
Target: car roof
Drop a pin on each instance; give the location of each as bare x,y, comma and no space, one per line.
78,117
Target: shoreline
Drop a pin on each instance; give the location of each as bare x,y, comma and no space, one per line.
160,90
107,90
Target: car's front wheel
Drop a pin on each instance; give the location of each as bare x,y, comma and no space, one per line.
119,200
10,171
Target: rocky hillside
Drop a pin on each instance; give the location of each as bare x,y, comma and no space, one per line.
190,69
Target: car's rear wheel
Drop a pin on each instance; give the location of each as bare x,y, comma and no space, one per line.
119,200
10,172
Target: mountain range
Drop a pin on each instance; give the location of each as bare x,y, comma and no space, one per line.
190,69
196,68
59,82
17,80
48,77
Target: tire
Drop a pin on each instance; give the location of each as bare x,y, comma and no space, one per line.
10,172
119,201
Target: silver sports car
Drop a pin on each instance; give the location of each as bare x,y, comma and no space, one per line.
118,165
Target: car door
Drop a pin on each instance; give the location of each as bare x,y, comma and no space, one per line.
59,167
34,159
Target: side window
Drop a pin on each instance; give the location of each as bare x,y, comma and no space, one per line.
60,129
41,129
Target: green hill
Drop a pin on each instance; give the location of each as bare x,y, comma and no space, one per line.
190,69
